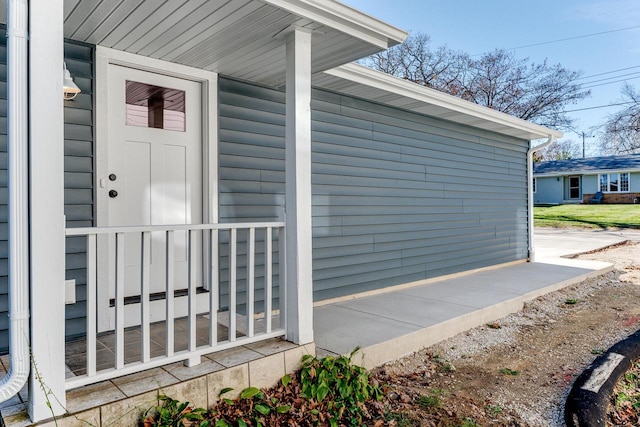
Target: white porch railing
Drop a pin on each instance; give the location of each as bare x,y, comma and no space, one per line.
237,258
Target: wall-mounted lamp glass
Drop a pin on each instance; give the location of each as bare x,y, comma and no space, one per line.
69,89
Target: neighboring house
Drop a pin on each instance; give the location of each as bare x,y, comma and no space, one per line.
577,180
216,148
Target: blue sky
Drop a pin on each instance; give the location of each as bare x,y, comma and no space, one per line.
478,26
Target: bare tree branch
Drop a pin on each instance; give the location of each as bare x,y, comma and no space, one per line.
560,150
498,80
622,131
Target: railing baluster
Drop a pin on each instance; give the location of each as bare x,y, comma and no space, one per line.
145,307
268,279
119,305
282,279
191,297
214,287
250,280
232,284
169,301
92,298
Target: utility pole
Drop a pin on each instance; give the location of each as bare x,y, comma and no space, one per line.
584,155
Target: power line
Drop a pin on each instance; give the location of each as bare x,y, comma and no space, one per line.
593,108
599,106
607,72
612,77
574,38
608,83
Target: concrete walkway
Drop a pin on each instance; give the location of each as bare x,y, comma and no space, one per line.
392,324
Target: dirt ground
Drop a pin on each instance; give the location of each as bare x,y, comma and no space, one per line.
518,370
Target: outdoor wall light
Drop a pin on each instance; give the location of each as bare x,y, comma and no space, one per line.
69,89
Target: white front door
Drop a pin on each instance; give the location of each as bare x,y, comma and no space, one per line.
154,168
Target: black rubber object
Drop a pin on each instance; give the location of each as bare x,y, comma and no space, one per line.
588,408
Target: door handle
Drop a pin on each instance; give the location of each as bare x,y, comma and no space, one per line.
113,194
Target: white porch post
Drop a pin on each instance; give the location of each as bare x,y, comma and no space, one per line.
46,175
299,309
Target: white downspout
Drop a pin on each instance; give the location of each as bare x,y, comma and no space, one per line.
532,149
17,148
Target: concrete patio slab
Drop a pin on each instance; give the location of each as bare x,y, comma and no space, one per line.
417,311
395,323
344,329
459,293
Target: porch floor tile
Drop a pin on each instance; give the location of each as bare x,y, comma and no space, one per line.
105,349
234,356
144,381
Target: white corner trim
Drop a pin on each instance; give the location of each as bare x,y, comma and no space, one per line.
404,88
346,19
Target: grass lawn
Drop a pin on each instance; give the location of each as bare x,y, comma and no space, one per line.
588,216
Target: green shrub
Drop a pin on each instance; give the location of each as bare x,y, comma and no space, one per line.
339,385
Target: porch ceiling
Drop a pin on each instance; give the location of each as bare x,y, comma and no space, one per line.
240,38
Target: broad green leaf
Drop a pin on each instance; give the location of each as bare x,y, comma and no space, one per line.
225,390
283,409
249,392
286,380
222,423
263,409
241,423
322,392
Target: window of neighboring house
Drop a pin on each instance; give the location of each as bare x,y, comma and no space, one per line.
614,182
535,186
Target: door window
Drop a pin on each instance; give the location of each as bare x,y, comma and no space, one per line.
154,106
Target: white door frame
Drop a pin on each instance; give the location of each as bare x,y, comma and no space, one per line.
209,83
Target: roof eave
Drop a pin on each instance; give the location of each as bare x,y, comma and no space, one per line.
583,172
380,80
346,19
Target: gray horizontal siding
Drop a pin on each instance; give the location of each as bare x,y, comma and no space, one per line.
432,197
251,174
397,196
78,175
78,179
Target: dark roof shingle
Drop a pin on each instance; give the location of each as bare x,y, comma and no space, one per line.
590,164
